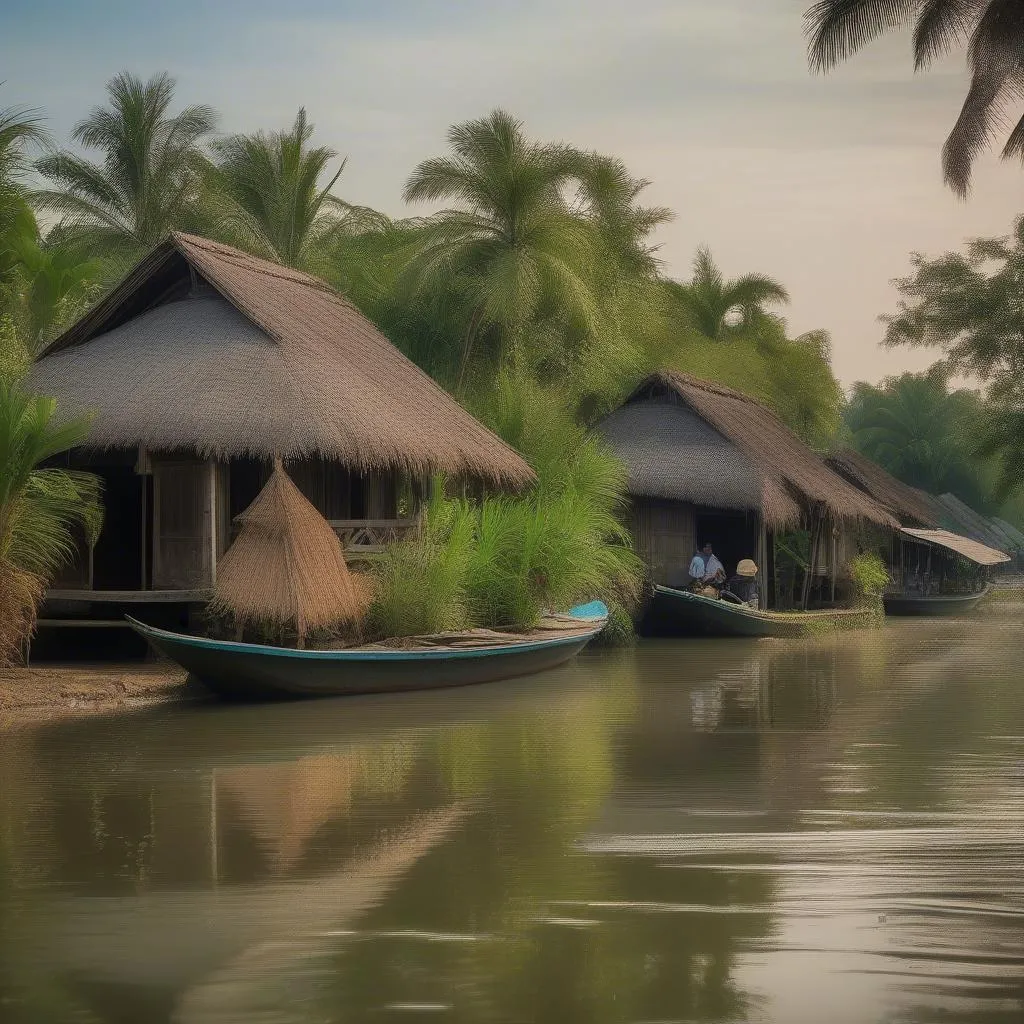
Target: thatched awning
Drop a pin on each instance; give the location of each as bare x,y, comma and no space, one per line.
204,348
741,455
980,554
906,503
958,516
286,566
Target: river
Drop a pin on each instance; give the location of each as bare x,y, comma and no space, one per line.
824,831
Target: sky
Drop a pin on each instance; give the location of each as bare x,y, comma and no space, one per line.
824,183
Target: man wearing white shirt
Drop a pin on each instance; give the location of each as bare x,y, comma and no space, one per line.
705,568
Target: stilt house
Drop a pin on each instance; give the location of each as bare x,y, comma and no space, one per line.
204,364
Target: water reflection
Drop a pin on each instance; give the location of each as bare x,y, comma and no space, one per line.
709,831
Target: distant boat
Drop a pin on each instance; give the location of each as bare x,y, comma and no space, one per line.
680,613
932,604
244,671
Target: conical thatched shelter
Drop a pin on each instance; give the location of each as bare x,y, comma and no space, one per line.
287,567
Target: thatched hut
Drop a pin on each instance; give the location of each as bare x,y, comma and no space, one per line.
935,531
707,463
202,365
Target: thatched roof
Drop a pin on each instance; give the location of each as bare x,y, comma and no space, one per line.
956,515
286,565
908,504
204,348
976,552
685,439
1011,531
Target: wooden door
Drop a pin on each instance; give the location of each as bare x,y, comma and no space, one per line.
184,524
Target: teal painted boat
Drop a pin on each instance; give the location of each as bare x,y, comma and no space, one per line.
244,671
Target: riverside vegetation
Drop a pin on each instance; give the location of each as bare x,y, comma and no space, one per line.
535,295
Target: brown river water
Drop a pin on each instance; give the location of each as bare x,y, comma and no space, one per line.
821,831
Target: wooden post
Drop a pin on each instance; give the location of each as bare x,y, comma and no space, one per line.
211,506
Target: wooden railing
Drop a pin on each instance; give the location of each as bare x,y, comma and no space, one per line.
369,536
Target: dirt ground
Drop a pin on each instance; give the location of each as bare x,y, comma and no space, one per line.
47,689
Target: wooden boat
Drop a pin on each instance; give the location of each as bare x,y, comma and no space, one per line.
932,604
244,671
680,613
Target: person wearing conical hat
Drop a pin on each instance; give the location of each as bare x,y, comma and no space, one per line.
742,585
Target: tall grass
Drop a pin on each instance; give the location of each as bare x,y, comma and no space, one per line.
505,561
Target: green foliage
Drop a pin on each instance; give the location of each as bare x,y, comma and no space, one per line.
870,577
719,309
420,585
992,32
504,561
968,307
148,180
922,432
264,195
38,506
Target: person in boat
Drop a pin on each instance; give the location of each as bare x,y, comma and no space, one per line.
706,571
741,587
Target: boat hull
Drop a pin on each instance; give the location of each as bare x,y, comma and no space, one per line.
680,613
239,671
937,605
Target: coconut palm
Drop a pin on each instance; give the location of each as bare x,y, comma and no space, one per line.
510,250
992,32
19,129
919,431
719,309
267,196
148,180
39,507
55,281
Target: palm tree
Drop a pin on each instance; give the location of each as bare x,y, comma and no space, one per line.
918,430
511,251
148,181
267,197
19,129
38,507
55,281
991,30
721,309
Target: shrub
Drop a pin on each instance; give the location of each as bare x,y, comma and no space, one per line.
870,577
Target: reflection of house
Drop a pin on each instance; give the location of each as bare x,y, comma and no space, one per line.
708,463
202,365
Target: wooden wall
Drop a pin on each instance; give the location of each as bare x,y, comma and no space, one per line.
663,533
184,524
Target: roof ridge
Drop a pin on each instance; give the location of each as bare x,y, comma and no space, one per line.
242,259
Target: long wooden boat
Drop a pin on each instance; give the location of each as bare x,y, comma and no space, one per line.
932,604
681,613
244,671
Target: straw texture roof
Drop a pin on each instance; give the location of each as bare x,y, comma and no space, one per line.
286,565
906,503
686,439
981,554
955,514
1011,531
204,348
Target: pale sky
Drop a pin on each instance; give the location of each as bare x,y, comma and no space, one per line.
824,183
